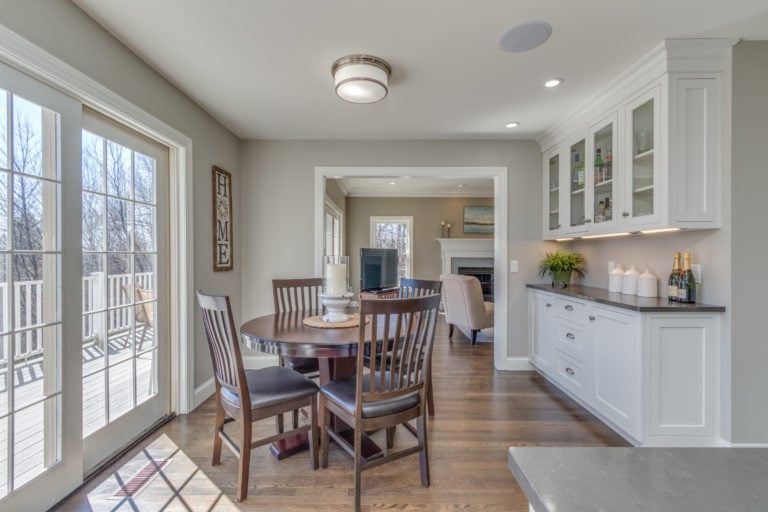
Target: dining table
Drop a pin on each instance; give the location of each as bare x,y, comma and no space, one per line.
335,347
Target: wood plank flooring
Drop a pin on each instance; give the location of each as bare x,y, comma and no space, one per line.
480,412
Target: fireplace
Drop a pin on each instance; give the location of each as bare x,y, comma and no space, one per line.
470,256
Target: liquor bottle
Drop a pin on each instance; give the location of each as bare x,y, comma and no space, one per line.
599,171
575,173
674,278
608,164
579,172
686,289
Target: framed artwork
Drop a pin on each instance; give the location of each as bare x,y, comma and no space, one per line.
222,220
478,219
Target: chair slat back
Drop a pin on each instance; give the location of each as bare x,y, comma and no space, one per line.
410,288
407,328
297,294
223,343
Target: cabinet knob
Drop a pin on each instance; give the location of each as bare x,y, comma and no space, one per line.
625,214
549,305
569,370
570,336
558,226
592,317
568,307
587,221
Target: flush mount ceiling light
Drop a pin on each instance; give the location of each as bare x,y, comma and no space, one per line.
525,36
553,82
361,78
513,124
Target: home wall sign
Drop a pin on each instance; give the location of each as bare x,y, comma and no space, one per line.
222,220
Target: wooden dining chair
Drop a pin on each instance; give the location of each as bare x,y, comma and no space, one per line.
374,400
418,288
410,288
250,395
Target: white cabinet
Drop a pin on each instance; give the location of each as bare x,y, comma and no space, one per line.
648,152
617,373
541,332
651,376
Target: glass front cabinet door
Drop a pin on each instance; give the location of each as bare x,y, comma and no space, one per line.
603,173
553,224
578,219
642,187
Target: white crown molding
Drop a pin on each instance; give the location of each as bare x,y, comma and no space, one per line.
671,55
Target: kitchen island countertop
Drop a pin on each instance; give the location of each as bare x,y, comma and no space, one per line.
557,479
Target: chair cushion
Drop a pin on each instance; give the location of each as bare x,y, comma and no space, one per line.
302,364
272,385
343,393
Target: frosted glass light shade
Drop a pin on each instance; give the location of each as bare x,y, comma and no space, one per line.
361,78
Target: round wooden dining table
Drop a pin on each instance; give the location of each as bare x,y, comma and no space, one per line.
335,348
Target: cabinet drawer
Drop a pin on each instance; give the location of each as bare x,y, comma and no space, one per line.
572,310
573,339
573,375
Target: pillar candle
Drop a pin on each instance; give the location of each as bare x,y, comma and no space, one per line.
336,279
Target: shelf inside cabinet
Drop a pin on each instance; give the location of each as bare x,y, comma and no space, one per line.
554,212
645,155
647,188
577,191
554,189
604,183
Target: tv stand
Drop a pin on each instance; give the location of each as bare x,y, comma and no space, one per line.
387,293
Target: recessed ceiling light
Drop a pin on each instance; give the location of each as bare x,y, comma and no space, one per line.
525,36
461,185
513,124
554,82
391,182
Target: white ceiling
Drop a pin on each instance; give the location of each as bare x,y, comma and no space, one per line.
262,68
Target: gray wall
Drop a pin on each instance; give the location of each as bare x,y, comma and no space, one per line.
61,29
278,179
427,213
750,241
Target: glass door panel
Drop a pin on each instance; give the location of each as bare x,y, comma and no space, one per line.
603,181
553,193
578,186
643,160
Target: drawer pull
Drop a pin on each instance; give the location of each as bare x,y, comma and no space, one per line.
568,307
569,370
592,317
570,336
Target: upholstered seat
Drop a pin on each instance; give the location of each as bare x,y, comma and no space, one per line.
343,392
272,385
464,304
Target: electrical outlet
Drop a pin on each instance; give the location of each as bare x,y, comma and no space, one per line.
696,269
611,266
513,266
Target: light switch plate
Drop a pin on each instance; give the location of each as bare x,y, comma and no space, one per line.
513,266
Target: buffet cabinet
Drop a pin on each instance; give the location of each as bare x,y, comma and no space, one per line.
649,152
650,375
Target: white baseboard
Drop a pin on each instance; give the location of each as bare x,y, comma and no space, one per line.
729,444
203,392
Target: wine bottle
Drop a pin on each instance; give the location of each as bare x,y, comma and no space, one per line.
599,176
686,289
674,278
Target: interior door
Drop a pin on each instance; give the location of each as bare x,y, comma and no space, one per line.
124,290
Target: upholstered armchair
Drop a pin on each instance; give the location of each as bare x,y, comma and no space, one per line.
464,304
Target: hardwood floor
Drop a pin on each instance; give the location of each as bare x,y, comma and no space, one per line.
480,412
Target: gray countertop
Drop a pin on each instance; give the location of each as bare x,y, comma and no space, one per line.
642,479
619,300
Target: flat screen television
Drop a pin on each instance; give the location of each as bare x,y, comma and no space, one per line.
378,269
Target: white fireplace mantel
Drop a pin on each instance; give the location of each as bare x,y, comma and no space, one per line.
464,248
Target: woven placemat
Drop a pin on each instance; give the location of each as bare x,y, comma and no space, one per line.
317,321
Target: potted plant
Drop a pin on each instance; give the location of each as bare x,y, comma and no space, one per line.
560,265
